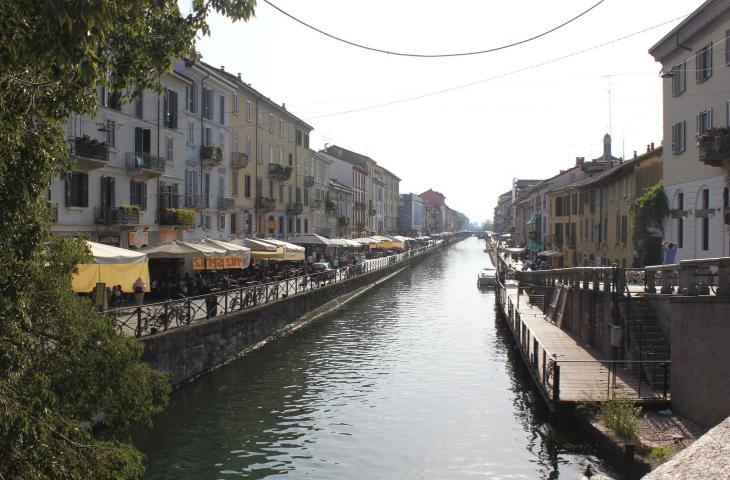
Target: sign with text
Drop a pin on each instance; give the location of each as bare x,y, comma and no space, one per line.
217,263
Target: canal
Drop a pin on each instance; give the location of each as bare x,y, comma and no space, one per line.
415,379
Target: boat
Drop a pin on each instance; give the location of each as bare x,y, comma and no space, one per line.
487,277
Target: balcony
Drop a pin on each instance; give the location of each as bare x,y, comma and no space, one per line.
177,216
265,204
316,204
89,153
359,206
211,156
294,208
372,212
226,203
279,172
331,207
125,216
145,165
344,222
196,201
308,181
714,147
239,160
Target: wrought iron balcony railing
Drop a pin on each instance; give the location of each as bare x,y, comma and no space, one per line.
714,147
308,181
119,216
265,204
145,165
89,153
279,172
226,203
239,160
294,208
211,155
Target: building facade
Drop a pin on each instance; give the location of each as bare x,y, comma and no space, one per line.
695,56
410,215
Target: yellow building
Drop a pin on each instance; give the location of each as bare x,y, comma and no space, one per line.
269,146
591,221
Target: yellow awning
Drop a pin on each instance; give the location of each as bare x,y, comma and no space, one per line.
124,274
280,255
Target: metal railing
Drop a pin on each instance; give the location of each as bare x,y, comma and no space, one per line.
84,147
116,216
586,380
153,318
145,161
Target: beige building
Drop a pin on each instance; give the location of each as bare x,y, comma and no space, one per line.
694,58
317,186
391,201
269,146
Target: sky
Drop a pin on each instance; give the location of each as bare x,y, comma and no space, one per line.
522,112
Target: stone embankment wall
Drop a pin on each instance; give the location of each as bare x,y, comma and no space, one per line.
699,332
189,351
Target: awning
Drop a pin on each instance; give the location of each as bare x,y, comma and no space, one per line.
550,253
515,250
533,219
178,249
113,266
102,253
311,239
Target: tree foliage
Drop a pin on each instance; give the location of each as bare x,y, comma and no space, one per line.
649,210
62,365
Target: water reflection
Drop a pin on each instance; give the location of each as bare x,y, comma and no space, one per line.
415,379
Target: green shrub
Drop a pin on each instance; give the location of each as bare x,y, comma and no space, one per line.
621,416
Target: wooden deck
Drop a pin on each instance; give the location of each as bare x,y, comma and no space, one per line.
581,373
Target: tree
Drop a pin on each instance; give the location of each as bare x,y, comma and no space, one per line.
63,367
649,210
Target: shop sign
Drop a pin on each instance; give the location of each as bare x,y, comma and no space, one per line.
138,238
113,240
217,263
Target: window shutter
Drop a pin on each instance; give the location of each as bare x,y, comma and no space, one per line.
111,191
674,138
67,189
699,123
683,139
709,127
84,190
137,139
146,140
144,195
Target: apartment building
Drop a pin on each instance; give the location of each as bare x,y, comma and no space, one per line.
410,215
434,205
355,171
144,172
391,201
340,204
376,207
695,58
316,189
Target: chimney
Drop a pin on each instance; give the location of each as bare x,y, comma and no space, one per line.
648,148
283,105
652,145
579,161
238,75
223,68
634,153
607,147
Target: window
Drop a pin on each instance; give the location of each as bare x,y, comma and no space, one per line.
703,63
291,162
624,229
706,219
271,154
727,47
247,186
248,147
191,134
207,110
259,186
306,140
77,190
726,205
271,123
139,104
206,222
221,222
206,190
679,79
679,137
208,137
680,220
235,103
291,133
111,133
169,145
281,128
234,183
234,140
281,154
261,120
306,225
190,98
170,109
704,121
249,114
271,189
222,111
110,99
142,140
138,194
260,151
299,137
221,140
221,186
281,192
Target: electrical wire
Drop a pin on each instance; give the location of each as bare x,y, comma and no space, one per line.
495,77
435,55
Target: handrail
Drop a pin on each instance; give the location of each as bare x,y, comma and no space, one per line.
152,318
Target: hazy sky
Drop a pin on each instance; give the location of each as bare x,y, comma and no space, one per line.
468,143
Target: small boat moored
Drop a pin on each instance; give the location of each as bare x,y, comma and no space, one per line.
487,277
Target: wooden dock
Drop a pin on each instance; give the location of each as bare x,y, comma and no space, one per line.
567,372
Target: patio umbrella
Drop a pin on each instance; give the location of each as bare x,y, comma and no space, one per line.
254,244
102,253
110,265
312,239
230,248
367,240
550,253
285,251
178,249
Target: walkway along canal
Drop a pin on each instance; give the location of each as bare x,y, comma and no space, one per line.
414,379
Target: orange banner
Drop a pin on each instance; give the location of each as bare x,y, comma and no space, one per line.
217,263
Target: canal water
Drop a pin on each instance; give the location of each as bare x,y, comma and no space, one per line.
415,379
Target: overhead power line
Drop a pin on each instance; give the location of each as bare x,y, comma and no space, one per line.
435,55
495,77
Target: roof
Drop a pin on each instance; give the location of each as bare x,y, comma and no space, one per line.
707,13
239,82
334,183
348,156
615,169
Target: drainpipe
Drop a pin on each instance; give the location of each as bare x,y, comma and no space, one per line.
202,183
256,165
